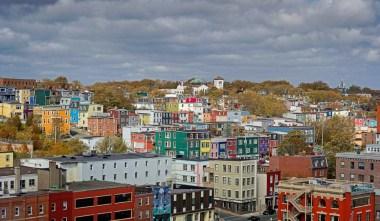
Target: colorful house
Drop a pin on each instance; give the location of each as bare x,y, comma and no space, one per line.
41,96
218,149
55,121
247,146
86,111
182,143
231,148
6,159
74,110
8,110
142,142
205,148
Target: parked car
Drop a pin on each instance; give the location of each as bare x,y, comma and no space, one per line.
254,218
269,211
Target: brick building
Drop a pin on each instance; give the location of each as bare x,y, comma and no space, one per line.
102,126
142,142
18,83
299,166
144,204
325,200
29,206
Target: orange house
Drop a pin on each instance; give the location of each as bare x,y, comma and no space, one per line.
55,121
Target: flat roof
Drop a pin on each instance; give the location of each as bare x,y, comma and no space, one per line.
362,155
9,171
103,157
94,185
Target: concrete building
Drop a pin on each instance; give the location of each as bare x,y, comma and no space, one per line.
129,168
190,172
191,203
234,182
320,199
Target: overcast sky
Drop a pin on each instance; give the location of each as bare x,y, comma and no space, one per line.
93,40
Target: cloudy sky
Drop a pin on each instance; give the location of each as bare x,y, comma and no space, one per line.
95,40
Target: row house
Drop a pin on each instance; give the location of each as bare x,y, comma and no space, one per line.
127,168
54,121
192,203
190,172
128,130
121,116
321,199
185,117
267,182
215,116
247,146
102,125
7,94
86,111
223,148
9,110
181,143
150,117
195,105
144,204
171,104
142,142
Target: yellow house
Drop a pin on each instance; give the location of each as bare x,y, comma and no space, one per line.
55,121
23,95
6,159
9,110
87,111
205,147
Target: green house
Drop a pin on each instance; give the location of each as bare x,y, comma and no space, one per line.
180,144
247,146
42,96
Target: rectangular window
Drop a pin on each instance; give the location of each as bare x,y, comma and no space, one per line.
41,209
361,165
85,218
86,202
123,214
104,217
30,210
352,165
123,197
104,200
64,205
360,202
53,207
17,211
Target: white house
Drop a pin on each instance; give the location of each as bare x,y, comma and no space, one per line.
127,132
126,168
202,89
190,172
219,82
26,177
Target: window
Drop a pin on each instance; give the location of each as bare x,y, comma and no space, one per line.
360,202
123,214
236,194
184,167
104,177
85,218
104,166
125,175
17,211
104,217
192,167
237,181
12,185
41,209
146,173
30,210
22,184
86,202
224,180
64,205
102,200
367,216
334,218
334,204
136,175
114,177
372,166
322,203
64,219
361,165
352,165
361,178
371,178
184,178
126,197
91,166
53,207
359,217
3,213
114,165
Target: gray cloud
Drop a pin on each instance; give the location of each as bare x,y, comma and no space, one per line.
96,40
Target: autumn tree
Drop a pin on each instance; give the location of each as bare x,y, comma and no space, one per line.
338,135
317,85
324,96
111,145
294,144
267,105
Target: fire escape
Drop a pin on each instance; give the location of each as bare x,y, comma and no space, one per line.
299,208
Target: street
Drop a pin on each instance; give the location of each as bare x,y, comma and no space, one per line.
224,216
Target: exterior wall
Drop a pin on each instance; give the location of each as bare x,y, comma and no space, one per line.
8,184
205,148
6,159
144,207
193,204
142,142
55,121
235,184
23,96
231,148
127,171
9,110
127,132
298,166
108,208
102,126
189,172
62,201
247,147
18,83
33,206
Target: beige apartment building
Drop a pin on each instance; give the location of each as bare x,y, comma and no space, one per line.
234,182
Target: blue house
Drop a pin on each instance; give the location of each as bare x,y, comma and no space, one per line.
74,110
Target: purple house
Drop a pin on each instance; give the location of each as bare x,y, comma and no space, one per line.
263,145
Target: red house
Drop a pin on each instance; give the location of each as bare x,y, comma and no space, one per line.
102,126
144,204
142,142
325,200
231,148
